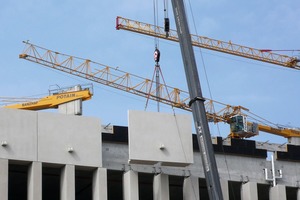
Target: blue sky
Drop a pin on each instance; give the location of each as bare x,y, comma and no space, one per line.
87,29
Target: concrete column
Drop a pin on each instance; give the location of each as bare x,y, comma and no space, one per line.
3,179
191,188
225,190
67,183
249,191
130,185
161,187
100,184
298,194
34,182
278,192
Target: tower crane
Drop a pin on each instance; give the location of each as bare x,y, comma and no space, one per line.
56,98
236,116
209,43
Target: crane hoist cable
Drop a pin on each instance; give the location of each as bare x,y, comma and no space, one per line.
157,69
166,19
155,19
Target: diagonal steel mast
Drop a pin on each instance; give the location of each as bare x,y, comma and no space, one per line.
197,103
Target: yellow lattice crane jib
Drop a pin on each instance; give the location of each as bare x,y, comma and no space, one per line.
209,43
124,81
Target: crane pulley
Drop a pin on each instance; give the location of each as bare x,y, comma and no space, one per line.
156,55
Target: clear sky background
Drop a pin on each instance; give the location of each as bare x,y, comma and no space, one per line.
87,29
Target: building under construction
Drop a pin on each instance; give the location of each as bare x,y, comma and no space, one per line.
64,156
68,156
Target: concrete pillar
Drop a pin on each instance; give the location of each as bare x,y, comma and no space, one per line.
161,187
34,183
130,185
249,191
298,194
100,184
225,190
278,192
3,179
67,183
191,188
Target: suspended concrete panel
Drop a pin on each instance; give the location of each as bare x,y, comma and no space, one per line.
160,137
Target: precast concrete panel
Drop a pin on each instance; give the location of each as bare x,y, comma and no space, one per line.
160,137
18,134
67,139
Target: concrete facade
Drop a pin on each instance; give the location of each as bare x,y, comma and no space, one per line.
50,138
52,156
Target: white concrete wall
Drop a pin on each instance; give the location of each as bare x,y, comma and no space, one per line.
19,131
48,137
69,139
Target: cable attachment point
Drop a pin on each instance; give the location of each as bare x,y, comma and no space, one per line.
196,99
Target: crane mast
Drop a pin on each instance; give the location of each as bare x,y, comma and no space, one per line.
197,103
209,43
